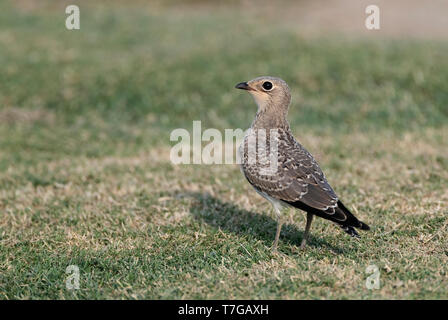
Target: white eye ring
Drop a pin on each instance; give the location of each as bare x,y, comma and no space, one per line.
267,86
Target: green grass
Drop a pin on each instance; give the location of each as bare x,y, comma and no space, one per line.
85,176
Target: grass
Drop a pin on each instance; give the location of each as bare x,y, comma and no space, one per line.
85,176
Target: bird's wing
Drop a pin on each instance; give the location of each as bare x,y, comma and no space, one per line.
297,178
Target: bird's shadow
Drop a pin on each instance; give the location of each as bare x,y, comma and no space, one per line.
230,218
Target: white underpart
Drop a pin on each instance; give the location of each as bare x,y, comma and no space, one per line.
278,205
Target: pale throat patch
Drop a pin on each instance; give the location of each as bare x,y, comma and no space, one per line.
261,99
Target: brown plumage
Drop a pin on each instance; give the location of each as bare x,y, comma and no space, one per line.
280,168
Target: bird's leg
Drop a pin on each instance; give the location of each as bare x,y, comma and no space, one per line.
277,234
279,229
309,219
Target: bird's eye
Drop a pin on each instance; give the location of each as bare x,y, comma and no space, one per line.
267,85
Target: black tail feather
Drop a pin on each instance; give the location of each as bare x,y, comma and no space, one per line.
351,231
348,225
351,219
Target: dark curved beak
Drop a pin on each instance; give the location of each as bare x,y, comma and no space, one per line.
242,85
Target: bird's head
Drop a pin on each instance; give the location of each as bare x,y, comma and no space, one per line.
270,94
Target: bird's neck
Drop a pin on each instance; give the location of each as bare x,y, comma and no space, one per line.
270,118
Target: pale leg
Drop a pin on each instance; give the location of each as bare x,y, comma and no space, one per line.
309,219
279,227
277,234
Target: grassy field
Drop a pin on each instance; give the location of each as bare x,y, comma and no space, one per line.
86,180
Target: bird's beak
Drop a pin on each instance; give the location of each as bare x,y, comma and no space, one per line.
243,85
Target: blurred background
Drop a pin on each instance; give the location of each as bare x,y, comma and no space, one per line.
85,118
136,69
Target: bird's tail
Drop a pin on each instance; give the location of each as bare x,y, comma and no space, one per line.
350,230
351,222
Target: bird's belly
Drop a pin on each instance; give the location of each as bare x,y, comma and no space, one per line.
276,203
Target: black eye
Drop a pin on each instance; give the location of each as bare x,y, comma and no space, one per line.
267,85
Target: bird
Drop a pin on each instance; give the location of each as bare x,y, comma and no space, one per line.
280,169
